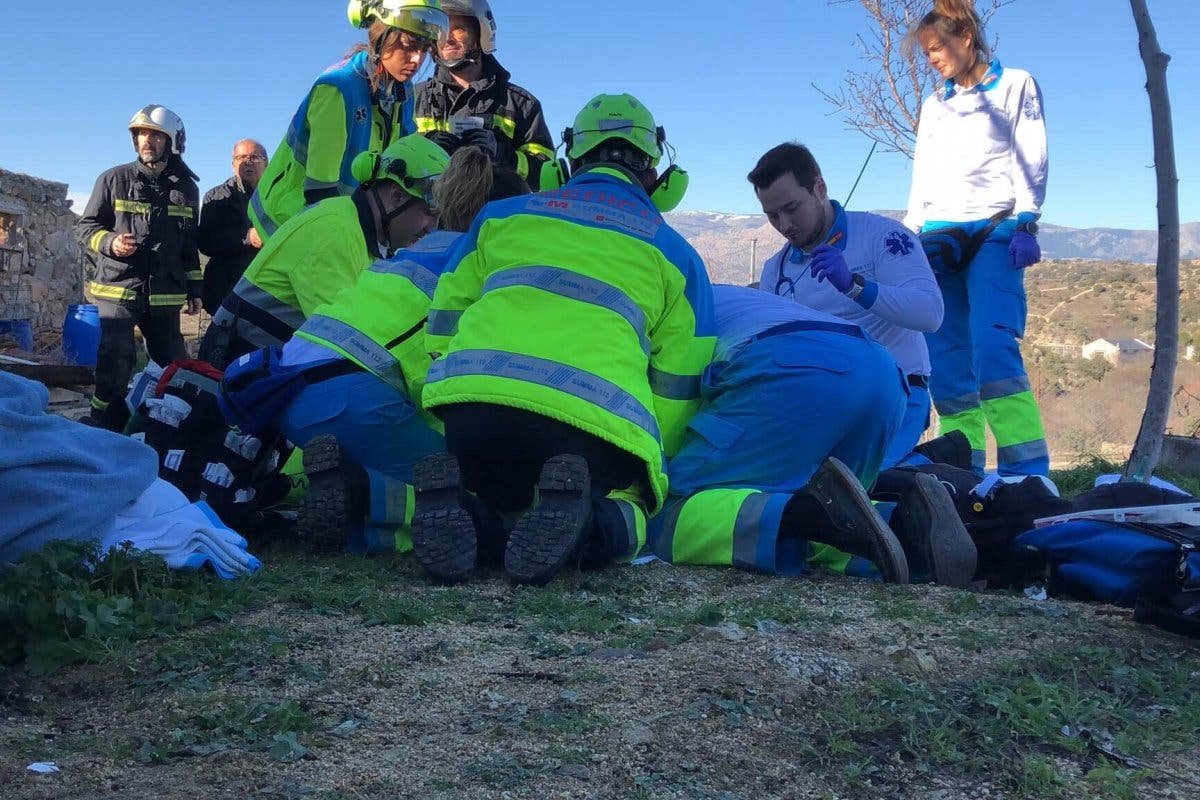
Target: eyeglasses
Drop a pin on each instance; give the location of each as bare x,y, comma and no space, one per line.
254,159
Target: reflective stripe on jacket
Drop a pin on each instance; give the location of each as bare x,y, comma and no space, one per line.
159,210
312,257
511,112
337,120
582,305
379,322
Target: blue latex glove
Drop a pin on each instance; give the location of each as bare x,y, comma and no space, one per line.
829,263
1023,250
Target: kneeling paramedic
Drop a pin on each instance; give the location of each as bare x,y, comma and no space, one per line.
799,410
324,248
570,331
354,372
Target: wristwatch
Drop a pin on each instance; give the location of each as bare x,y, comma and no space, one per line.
1028,227
857,284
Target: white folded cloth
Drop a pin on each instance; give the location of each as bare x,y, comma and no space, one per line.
185,535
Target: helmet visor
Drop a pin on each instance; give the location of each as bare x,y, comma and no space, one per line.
427,23
420,188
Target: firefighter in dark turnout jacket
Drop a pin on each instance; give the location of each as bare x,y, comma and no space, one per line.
139,231
470,100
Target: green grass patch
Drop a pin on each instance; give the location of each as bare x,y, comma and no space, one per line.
1009,724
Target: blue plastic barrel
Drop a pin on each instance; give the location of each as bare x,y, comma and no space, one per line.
19,329
81,334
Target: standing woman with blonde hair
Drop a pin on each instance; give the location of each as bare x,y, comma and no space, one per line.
979,179
363,103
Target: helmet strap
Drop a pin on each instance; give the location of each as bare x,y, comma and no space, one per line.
459,64
386,217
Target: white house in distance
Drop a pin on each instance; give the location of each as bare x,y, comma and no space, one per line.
1117,351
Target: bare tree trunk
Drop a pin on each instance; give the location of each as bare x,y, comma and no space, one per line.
1148,447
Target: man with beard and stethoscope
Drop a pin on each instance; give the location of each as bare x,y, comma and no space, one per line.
865,268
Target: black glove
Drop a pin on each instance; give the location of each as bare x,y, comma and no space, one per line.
445,140
482,138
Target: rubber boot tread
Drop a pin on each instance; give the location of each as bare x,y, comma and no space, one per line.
443,532
544,539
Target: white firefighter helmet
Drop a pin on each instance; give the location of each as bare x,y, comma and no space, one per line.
480,10
163,120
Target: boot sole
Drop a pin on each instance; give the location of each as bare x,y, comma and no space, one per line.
544,539
321,524
881,534
952,554
443,532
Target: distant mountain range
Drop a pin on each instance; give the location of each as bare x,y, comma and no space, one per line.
727,241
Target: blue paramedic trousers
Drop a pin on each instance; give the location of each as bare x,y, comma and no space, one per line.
979,377
382,431
912,427
770,417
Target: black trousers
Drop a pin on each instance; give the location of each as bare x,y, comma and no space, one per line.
116,355
501,450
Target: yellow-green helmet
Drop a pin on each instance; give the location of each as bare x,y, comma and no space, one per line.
614,116
423,18
414,162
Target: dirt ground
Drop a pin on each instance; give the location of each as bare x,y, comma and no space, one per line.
643,682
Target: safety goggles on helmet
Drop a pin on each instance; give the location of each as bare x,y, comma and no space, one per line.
607,117
413,162
420,188
605,128
422,18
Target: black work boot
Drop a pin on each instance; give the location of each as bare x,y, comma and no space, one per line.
937,544
443,531
336,501
834,509
545,538
950,448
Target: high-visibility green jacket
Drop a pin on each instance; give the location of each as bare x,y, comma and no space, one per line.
379,322
338,119
308,260
582,305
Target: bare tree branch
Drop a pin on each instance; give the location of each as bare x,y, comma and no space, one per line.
1148,447
883,100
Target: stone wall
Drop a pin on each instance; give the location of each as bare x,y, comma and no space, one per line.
40,261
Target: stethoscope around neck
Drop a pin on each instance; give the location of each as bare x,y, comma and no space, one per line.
783,278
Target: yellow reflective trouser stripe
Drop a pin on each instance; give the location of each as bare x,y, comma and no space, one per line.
827,557
972,424
536,150
180,211
105,291
429,124
131,206
523,166
1014,419
633,511
97,240
168,299
505,125
194,275
98,404
703,531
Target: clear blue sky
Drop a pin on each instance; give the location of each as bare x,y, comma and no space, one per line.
725,81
